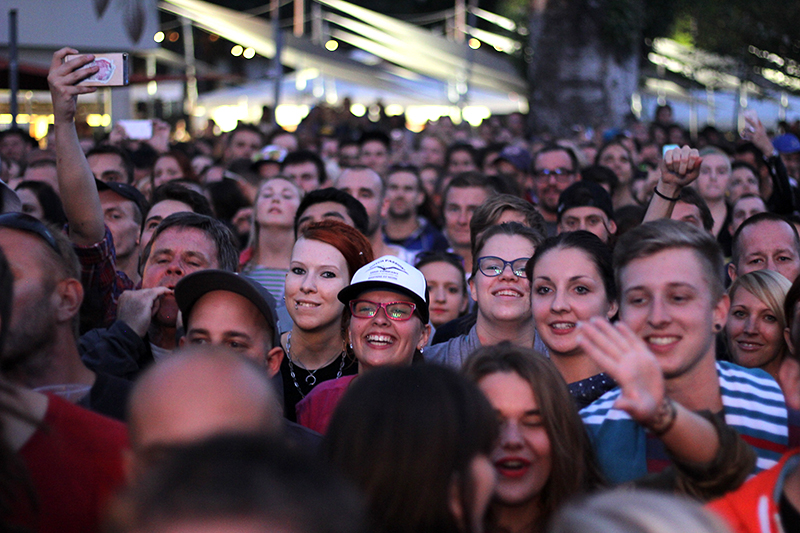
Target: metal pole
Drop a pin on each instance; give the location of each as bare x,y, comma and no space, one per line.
191,68
277,68
13,70
299,18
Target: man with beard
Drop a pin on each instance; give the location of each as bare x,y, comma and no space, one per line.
402,225
42,349
554,169
366,186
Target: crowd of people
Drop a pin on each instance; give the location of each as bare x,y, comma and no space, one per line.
352,327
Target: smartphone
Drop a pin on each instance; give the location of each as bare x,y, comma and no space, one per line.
113,70
667,148
138,130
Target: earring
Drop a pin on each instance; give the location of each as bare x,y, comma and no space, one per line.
351,345
717,327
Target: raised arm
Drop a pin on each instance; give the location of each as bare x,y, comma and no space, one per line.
619,352
678,168
781,198
75,180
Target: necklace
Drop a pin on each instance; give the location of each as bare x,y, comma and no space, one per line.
311,379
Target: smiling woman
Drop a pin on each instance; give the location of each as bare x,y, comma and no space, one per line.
324,258
572,281
543,456
502,291
756,320
386,314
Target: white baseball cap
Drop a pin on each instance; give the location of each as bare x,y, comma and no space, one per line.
389,273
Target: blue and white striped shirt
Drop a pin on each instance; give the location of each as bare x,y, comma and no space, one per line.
753,404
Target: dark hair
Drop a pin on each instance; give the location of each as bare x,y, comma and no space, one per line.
752,149
507,228
226,198
183,163
350,242
242,126
665,234
602,176
403,434
744,164
355,209
6,298
460,147
574,466
127,163
757,219
52,208
590,244
378,136
217,232
789,305
454,260
181,193
466,180
552,147
689,195
306,156
490,211
608,145
239,477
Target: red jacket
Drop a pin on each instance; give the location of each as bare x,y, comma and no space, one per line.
754,507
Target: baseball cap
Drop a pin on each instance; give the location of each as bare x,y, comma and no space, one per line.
196,285
787,143
517,156
585,194
129,192
389,273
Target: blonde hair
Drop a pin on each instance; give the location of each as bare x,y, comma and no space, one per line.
641,511
254,226
768,286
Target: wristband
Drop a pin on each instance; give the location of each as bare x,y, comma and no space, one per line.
664,196
664,418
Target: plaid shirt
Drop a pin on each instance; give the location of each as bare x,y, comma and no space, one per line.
102,282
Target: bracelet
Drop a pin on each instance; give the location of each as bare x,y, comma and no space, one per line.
664,419
665,197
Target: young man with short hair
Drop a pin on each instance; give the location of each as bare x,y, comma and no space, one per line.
670,279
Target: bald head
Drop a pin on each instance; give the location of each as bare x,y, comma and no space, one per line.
197,393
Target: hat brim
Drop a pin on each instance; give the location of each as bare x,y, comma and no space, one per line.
196,285
351,292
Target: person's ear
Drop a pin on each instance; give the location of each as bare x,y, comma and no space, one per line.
68,296
612,310
454,502
732,271
612,227
426,333
720,313
472,292
789,380
182,341
273,361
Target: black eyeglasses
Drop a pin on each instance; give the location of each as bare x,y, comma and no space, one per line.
24,222
491,266
562,175
400,311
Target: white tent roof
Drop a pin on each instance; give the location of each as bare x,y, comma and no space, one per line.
421,68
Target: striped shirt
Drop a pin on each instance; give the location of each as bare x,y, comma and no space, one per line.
272,279
753,405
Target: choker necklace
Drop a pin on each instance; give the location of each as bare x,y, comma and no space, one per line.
311,379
